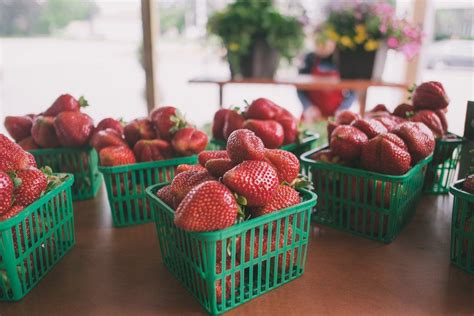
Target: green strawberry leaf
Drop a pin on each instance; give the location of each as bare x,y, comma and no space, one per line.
302,182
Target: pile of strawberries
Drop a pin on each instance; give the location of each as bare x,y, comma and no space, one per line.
62,124
275,125
389,143
163,135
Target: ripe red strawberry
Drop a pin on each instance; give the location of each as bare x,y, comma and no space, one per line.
116,156
283,197
185,167
346,117
207,207
106,138
290,126
32,183
285,163
386,153
65,102
110,123
442,118
254,180
218,123
270,132
73,129
468,184
325,155
243,145
404,110
6,192
430,119
262,109
138,129
388,122
204,156
11,212
380,108
330,128
28,143
347,142
369,127
185,181
19,127
217,167
233,121
13,157
418,138
167,120
43,132
430,95
152,150
189,141
166,195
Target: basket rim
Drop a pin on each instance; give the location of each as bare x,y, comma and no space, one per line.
458,140
309,201
361,172
149,164
33,206
456,191
61,150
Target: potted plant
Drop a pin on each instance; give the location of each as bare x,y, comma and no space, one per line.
363,32
256,35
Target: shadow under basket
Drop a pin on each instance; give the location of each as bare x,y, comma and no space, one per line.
33,241
442,169
81,162
126,187
462,228
364,203
218,270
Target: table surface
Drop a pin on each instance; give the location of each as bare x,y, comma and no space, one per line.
118,271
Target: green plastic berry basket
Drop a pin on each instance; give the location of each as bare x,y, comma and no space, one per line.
442,169
462,228
364,203
126,188
81,162
33,241
212,272
306,144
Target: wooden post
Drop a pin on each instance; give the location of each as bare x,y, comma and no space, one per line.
148,25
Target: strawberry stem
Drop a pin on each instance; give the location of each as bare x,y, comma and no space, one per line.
83,102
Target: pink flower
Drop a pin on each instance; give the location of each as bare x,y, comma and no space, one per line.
410,50
392,42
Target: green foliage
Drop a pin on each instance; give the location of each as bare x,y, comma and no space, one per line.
245,20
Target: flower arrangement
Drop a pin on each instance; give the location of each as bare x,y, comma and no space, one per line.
366,25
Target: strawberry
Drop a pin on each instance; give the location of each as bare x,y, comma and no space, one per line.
116,156
152,150
12,212
369,127
283,197
233,121
217,167
65,102
243,145
430,95
468,184
13,157
189,141
347,142
325,155
256,181
32,183
207,207
380,108
262,109
138,129
430,119
290,126
110,123
229,285
165,195
73,129
285,163
218,123
6,192
388,122
106,138
270,132
185,167
43,132
167,120
442,118
386,153
19,127
404,110
204,156
330,128
28,143
418,138
185,181
346,117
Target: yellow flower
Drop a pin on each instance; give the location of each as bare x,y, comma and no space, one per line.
332,35
346,41
361,34
233,47
371,45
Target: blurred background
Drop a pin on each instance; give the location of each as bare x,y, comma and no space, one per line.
94,48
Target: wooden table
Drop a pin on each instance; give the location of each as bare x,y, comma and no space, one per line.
118,271
305,82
